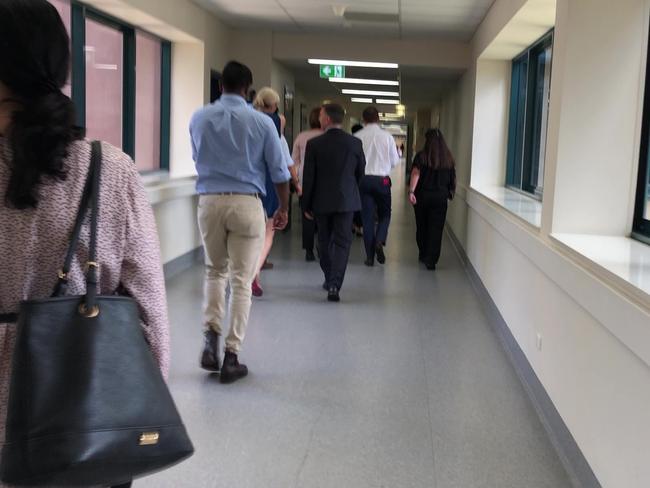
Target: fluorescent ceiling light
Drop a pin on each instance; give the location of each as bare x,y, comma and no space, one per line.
391,116
370,92
361,81
362,100
360,64
384,101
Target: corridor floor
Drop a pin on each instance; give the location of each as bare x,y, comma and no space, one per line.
402,384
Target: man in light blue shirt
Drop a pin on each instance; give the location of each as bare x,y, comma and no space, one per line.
232,146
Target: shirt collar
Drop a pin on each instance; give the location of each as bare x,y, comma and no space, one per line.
232,99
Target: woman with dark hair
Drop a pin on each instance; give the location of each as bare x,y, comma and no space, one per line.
433,182
44,163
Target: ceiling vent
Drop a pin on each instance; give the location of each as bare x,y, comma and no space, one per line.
371,17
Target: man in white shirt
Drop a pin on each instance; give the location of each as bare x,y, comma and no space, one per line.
381,157
299,148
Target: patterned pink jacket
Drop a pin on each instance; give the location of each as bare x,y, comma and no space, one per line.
33,244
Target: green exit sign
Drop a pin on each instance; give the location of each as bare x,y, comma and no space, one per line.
332,71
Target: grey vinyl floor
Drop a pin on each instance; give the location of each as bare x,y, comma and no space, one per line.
400,385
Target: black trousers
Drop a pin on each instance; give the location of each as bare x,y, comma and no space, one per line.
334,239
308,230
375,200
430,215
124,485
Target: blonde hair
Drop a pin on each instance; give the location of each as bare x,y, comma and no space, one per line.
266,98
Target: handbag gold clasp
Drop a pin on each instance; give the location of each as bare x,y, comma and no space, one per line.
88,313
149,438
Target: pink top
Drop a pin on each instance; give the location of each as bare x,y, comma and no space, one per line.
299,147
33,244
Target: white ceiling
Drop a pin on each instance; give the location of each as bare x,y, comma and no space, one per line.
419,86
442,19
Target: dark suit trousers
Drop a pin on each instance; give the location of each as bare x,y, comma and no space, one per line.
375,199
308,231
334,239
430,215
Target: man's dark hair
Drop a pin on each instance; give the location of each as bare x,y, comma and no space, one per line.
335,112
371,115
356,128
314,123
236,77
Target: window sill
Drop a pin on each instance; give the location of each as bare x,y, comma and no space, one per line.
165,189
525,207
625,260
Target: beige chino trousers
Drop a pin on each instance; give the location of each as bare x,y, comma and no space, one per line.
232,228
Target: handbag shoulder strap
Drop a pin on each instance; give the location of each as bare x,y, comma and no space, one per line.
92,265
90,192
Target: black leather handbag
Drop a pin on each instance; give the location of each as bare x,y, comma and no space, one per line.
87,403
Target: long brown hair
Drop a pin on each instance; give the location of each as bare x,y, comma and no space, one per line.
436,154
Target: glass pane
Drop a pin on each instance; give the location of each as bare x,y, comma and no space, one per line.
540,118
104,79
65,11
517,117
148,70
646,214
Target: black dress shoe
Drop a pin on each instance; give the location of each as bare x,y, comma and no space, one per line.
333,294
309,256
369,262
381,257
231,370
210,356
431,267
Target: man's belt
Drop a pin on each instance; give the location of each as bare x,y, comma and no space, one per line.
221,193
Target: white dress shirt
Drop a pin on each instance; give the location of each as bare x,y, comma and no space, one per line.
380,150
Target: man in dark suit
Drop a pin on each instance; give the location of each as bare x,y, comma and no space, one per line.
334,165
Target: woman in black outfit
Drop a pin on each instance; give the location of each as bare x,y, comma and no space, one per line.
433,182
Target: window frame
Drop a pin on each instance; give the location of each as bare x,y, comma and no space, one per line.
641,223
522,148
80,12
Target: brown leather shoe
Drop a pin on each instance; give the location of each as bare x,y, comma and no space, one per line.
210,356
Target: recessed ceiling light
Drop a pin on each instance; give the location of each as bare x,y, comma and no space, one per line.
360,64
361,100
370,92
363,81
387,102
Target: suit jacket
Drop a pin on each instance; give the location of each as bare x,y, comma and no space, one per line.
334,165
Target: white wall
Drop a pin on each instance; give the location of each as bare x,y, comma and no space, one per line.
491,123
596,375
254,49
602,91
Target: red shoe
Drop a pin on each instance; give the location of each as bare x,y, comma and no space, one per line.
257,289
